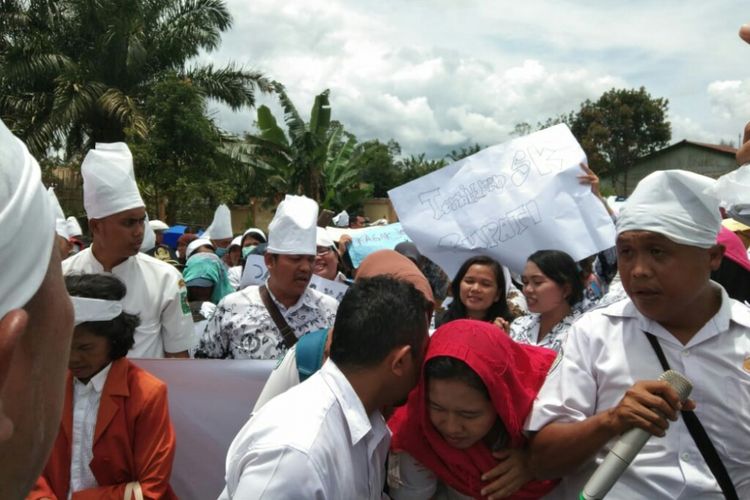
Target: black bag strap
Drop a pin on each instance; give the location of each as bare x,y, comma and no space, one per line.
699,435
287,334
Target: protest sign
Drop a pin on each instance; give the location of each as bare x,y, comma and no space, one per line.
255,272
372,239
331,288
507,202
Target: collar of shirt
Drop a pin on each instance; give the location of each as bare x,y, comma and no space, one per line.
359,423
729,310
98,268
305,299
96,382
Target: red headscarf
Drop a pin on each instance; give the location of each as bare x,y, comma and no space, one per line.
513,374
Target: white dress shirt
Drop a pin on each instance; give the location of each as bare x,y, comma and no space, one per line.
313,441
157,293
86,398
606,352
242,327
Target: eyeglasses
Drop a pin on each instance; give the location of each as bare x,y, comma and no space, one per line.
321,251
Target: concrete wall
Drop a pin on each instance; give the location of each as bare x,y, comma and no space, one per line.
685,157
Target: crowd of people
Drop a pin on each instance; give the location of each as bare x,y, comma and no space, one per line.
492,384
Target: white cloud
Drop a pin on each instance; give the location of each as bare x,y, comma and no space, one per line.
435,75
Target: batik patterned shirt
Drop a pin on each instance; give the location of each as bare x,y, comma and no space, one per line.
525,330
242,327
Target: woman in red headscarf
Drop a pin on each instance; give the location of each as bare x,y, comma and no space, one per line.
465,418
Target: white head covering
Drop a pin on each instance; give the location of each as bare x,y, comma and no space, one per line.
236,242
149,236
255,231
158,225
341,219
88,309
323,238
221,227
733,189
27,222
74,228
109,181
675,203
293,230
195,244
61,225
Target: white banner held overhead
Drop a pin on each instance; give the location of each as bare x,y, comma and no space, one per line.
506,201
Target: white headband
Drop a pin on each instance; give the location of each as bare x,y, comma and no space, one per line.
87,309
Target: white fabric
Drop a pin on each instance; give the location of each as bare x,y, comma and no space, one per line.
313,441
675,203
109,181
195,245
74,228
221,226
88,309
606,352
322,238
157,293
734,188
236,242
158,225
417,482
86,398
235,276
341,219
256,231
242,327
149,236
26,221
293,230
61,224
282,378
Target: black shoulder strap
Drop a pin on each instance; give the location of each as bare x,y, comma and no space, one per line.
699,435
287,334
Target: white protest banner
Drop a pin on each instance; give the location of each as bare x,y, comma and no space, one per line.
255,272
374,238
337,232
331,288
506,201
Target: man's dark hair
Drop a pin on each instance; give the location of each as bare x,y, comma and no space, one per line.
375,316
448,368
118,331
562,269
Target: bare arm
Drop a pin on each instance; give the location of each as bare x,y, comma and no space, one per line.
559,449
181,354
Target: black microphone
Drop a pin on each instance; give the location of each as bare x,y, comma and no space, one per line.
628,446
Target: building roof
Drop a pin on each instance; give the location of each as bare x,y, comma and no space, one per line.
727,150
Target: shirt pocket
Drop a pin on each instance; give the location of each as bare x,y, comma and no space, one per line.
737,393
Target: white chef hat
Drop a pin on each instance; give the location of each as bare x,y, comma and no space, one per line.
676,203
158,225
323,239
109,181
221,226
27,222
236,242
256,232
61,225
149,236
293,230
341,219
74,228
195,245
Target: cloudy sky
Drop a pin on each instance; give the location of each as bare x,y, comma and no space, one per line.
437,75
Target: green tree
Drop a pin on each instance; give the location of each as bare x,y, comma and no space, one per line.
377,166
74,72
415,167
465,151
182,159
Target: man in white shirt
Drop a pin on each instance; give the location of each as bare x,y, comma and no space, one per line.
326,437
604,382
156,291
36,321
242,326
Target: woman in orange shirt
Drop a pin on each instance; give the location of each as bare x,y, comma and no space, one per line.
116,437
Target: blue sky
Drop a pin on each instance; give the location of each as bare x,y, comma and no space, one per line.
436,75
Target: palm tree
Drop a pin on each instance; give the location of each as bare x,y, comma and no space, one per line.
74,72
